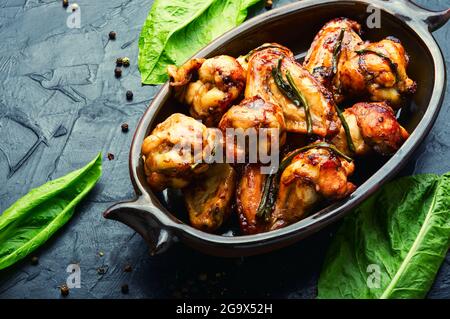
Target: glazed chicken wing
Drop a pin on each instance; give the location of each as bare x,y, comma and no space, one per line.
351,68
209,198
276,77
174,152
372,126
377,70
313,175
254,113
248,196
208,87
322,57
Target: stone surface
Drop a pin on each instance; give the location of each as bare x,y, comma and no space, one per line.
60,102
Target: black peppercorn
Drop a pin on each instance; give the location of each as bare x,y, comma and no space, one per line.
126,62
125,289
129,95
112,35
124,127
118,72
64,290
101,270
119,62
65,3
34,260
110,156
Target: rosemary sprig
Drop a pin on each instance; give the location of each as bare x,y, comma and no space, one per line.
270,188
392,65
337,50
282,85
290,90
301,97
348,135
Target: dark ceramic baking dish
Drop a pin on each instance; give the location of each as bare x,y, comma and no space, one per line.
158,217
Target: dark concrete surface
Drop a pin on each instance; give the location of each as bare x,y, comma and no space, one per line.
60,104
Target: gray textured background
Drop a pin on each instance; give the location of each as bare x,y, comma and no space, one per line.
60,102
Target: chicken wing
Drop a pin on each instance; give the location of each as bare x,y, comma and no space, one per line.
322,57
351,68
276,77
209,198
254,113
311,176
208,87
373,126
175,151
248,196
378,70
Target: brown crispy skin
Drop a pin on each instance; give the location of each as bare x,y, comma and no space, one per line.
363,69
319,59
248,197
209,198
373,127
379,127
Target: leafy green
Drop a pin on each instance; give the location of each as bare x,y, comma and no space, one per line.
30,221
404,230
176,29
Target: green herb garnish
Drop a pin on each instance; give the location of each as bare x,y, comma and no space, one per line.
337,50
290,90
305,104
348,135
270,188
392,65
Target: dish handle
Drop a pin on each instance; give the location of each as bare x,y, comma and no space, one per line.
139,215
433,19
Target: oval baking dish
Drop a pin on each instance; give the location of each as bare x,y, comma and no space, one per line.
157,217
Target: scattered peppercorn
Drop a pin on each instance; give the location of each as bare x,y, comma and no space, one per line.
118,72
128,268
129,95
101,253
124,127
102,270
126,62
64,290
34,260
124,289
65,3
112,35
75,7
268,4
110,156
119,62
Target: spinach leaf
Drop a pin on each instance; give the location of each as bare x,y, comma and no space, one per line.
30,221
176,29
392,245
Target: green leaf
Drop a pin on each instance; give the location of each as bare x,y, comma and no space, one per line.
403,231
34,218
176,29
